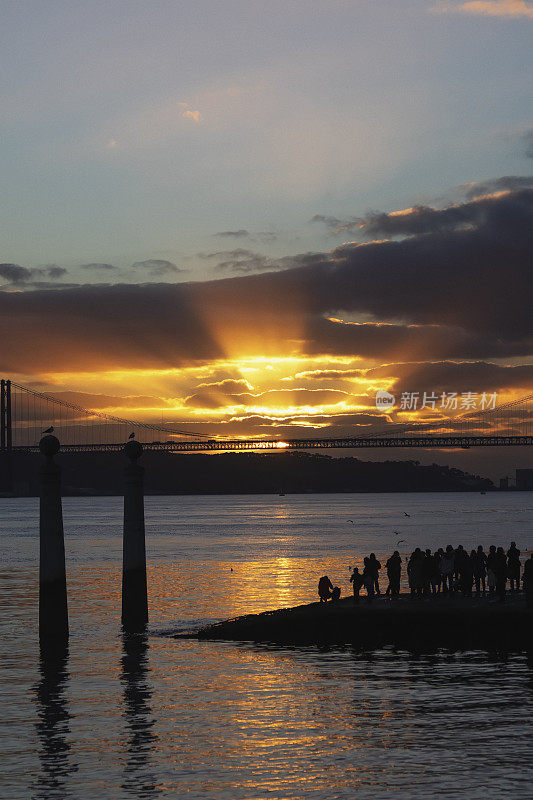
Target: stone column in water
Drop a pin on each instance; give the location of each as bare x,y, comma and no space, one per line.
53,613
134,591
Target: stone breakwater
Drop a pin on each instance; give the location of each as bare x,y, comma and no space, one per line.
437,622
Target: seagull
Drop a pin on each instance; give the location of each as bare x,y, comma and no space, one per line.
49,430
350,520
400,541
406,514
132,435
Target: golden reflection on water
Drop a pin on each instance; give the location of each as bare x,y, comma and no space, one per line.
165,717
53,721
139,778
168,717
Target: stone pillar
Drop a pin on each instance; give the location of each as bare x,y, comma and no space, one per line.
53,613
134,590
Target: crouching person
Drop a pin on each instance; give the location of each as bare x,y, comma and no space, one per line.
325,589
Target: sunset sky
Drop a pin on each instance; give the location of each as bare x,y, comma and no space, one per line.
248,217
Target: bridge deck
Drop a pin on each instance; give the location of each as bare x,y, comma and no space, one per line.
423,442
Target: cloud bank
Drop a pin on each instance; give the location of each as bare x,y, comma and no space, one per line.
441,287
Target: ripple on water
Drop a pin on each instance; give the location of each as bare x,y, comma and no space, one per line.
156,717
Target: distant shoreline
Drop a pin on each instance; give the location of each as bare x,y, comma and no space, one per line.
100,474
68,493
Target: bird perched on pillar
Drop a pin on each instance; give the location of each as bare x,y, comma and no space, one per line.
132,435
49,430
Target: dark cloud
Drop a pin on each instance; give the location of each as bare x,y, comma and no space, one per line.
235,234
229,385
96,266
271,399
22,275
239,260
336,225
14,273
265,237
505,183
245,261
214,400
460,289
329,374
54,272
100,402
300,426
425,219
157,268
95,326
476,277
449,376
378,340
46,285
452,376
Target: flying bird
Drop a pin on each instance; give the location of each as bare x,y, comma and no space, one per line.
400,541
49,430
132,435
350,520
406,514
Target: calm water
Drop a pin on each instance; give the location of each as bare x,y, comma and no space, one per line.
161,718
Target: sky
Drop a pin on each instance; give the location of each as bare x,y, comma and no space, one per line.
249,217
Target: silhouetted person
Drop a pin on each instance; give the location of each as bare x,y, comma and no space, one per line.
368,578
527,580
435,577
466,575
325,587
357,580
394,572
427,569
513,566
491,575
375,567
479,561
415,571
459,556
447,562
335,594
500,573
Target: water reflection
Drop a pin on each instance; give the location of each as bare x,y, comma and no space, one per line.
53,723
138,778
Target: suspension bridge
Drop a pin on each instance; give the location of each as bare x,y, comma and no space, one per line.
25,414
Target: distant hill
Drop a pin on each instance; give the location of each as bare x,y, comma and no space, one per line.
247,473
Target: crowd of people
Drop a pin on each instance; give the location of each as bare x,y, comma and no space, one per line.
444,571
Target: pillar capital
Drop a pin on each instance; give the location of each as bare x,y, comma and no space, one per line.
49,446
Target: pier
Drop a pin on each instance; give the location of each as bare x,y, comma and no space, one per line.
443,621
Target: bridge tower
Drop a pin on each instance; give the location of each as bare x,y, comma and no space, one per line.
6,436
